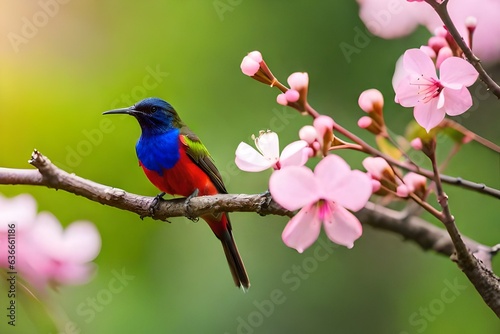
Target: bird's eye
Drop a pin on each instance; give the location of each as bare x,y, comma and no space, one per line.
153,109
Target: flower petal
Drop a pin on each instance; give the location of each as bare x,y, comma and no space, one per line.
303,229
342,227
20,210
428,115
418,62
269,145
339,184
399,74
249,160
329,172
457,71
392,25
293,154
407,94
47,234
457,101
73,273
354,191
294,187
81,242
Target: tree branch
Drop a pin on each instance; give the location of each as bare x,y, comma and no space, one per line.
410,227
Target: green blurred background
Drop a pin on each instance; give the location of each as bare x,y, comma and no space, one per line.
90,56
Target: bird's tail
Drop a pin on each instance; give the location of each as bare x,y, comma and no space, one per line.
221,226
236,265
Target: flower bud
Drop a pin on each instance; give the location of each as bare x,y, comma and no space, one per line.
254,66
371,100
324,127
416,144
308,133
296,96
379,169
416,184
444,53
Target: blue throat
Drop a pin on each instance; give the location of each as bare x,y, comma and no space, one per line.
158,151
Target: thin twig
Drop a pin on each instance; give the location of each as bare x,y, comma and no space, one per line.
479,276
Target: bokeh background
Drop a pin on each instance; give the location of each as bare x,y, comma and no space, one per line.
81,58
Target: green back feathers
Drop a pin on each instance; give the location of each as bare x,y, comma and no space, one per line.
200,156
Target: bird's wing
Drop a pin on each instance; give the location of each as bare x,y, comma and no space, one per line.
200,156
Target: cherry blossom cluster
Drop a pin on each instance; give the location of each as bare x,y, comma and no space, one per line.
432,79
44,253
325,195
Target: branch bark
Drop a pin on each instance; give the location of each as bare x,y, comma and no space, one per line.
410,227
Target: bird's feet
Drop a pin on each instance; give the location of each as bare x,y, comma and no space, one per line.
187,207
154,204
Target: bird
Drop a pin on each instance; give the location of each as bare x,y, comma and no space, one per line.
176,162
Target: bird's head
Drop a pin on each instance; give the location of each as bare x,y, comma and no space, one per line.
153,114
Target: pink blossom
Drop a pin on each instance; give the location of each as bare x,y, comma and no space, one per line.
68,252
20,210
324,197
267,153
417,85
389,19
45,253
393,19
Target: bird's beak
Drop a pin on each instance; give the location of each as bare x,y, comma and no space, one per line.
128,111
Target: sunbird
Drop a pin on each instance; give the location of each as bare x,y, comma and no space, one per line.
176,162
